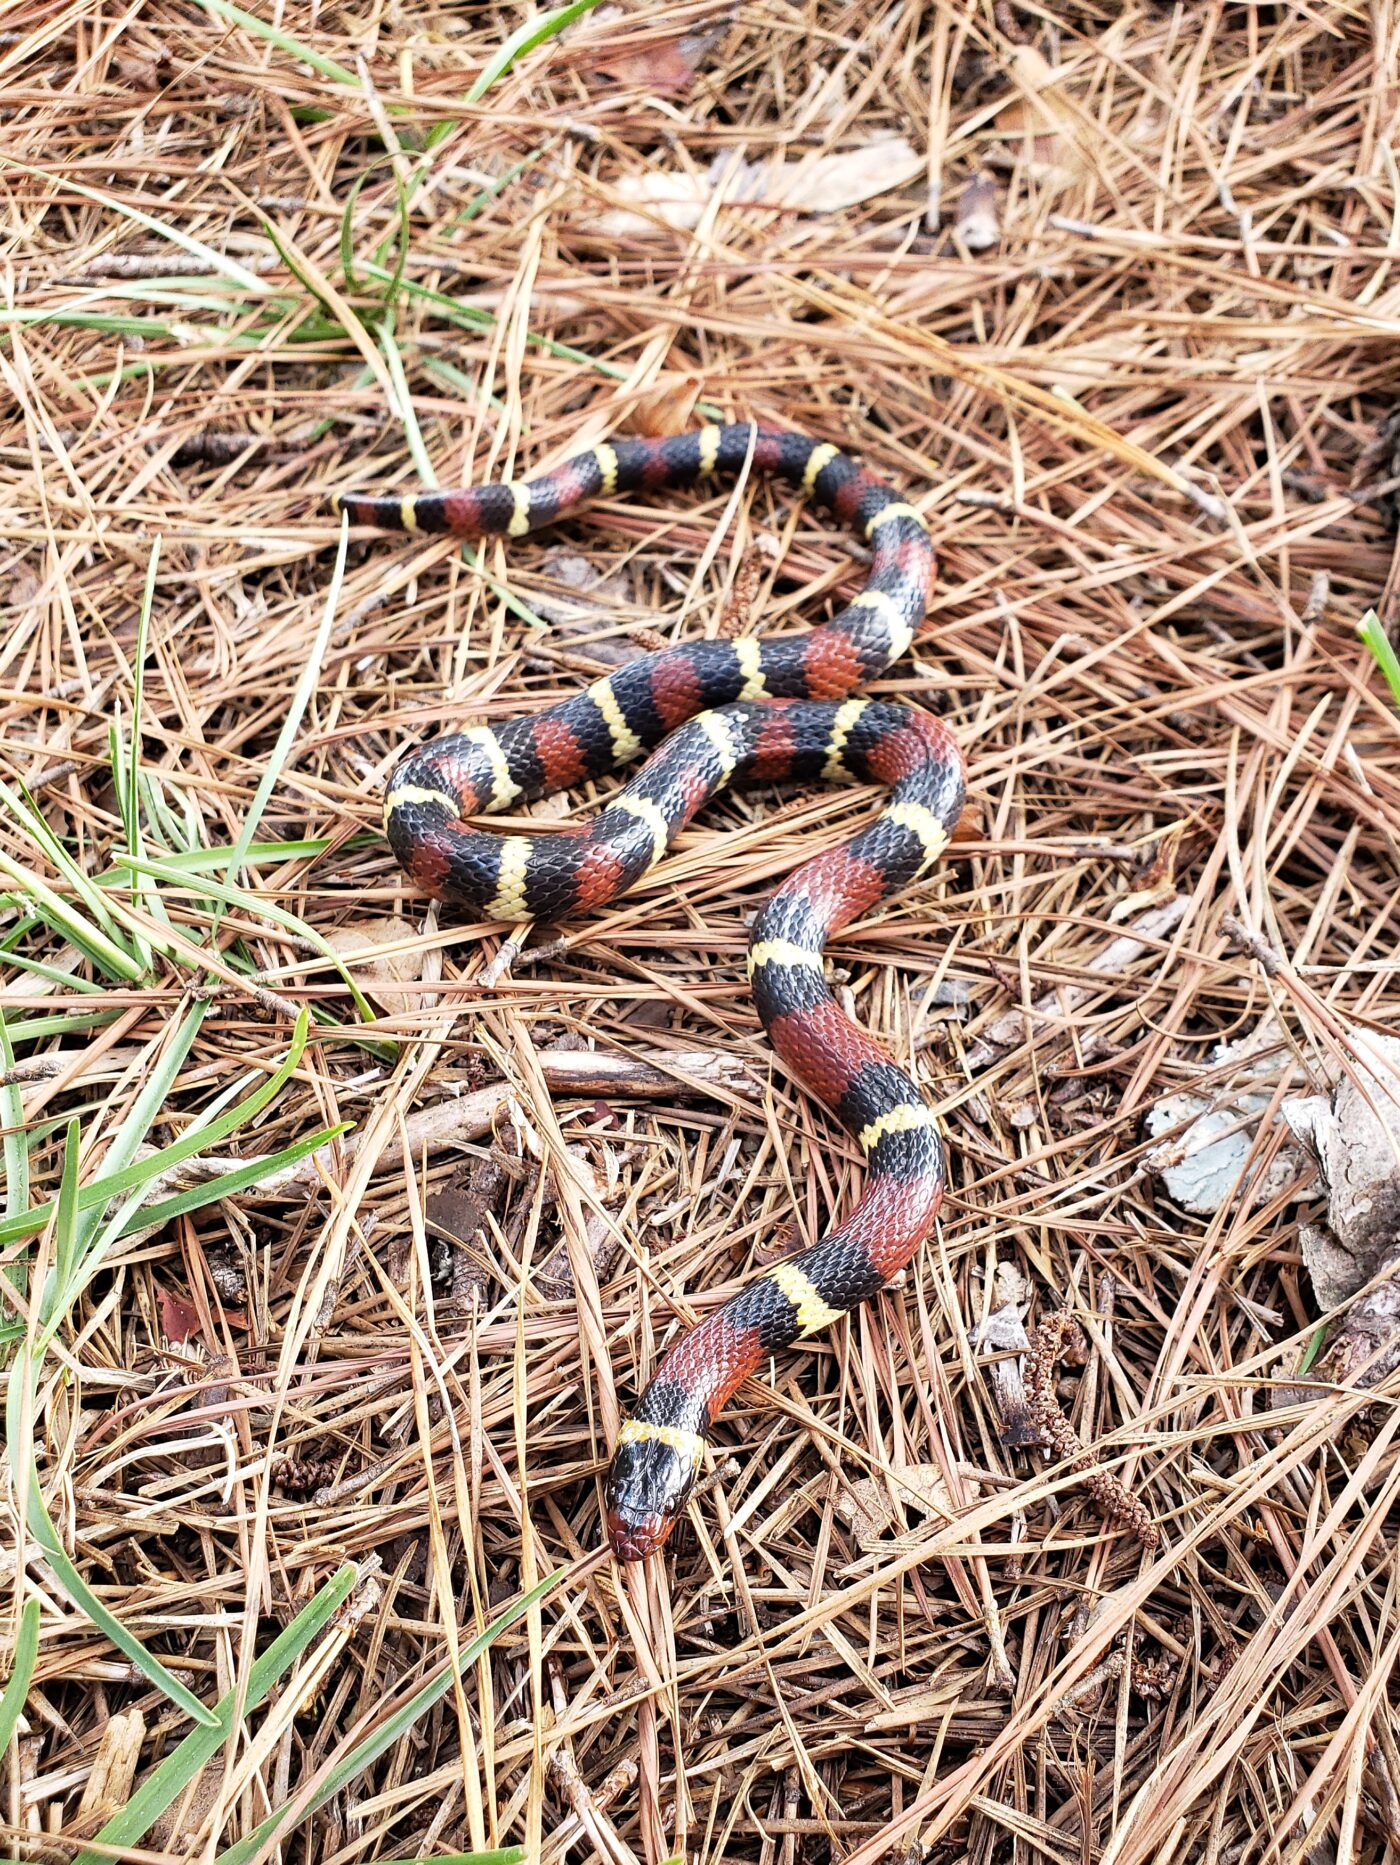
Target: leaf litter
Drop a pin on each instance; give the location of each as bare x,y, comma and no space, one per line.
1108,289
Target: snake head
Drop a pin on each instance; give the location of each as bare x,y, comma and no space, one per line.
652,1474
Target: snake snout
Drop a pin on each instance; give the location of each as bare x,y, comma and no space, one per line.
648,1485
634,1541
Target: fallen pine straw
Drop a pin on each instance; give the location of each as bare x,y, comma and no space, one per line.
1110,292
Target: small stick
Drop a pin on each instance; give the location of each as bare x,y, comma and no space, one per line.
1052,1339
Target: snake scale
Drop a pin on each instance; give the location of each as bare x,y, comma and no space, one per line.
718,712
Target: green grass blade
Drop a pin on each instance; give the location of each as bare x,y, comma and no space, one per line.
15,1153
69,923
30,819
131,1174
347,231
413,434
138,691
460,383
203,860
253,1173
22,927
403,1719
145,1216
167,1782
301,698
107,1225
25,1474
30,1029
65,1228
507,1855
119,760
45,1534
217,262
472,317
127,774
1370,630
65,980
1313,1351
258,906
402,236
80,1239
284,42
26,1655
177,830
129,1136
336,316
535,32
129,1177
52,911
405,240
485,195
128,326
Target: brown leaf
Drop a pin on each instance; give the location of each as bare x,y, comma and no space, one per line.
384,969
1038,125
574,572
179,1320
866,1505
666,67
665,409
821,184
968,827
847,177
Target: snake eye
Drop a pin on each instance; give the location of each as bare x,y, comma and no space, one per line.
648,1485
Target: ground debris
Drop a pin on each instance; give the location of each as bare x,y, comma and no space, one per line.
1107,291
1210,1138
1353,1136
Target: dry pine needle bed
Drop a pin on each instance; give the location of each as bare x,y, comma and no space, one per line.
340,1232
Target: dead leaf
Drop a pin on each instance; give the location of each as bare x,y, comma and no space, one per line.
866,1505
1334,1272
1012,1285
386,968
665,409
1003,1338
1205,1159
968,827
822,184
458,1214
573,571
179,1320
1038,126
846,178
1354,1137
666,66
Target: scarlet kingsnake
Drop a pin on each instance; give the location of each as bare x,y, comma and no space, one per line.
725,709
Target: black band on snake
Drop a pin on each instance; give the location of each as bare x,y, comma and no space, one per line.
720,712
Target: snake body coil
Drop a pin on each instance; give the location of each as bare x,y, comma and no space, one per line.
726,710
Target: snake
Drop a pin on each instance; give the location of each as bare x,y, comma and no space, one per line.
713,712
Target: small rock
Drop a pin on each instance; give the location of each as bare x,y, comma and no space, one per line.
1206,1164
977,225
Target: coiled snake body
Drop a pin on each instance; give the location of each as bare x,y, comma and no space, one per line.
726,710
